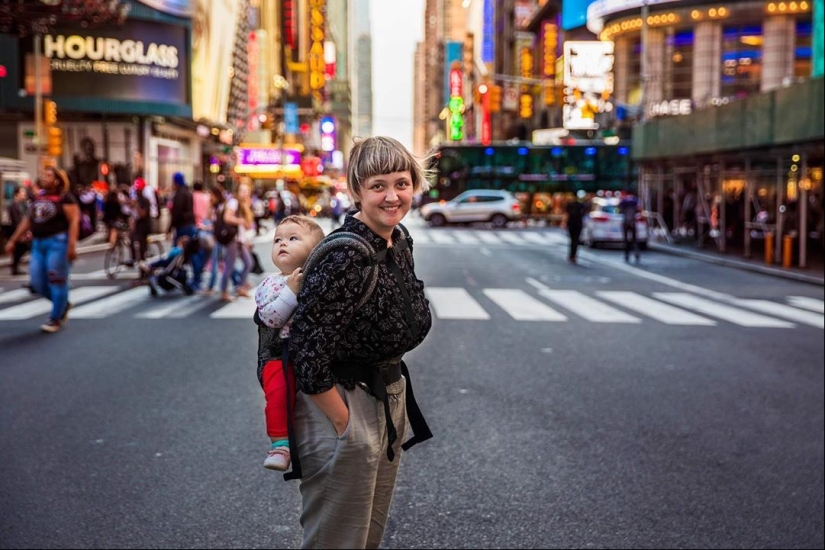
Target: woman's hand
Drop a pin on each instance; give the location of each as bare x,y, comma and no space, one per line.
10,248
341,424
72,253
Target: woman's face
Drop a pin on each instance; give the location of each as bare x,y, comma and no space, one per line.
49,181
385,200
243,192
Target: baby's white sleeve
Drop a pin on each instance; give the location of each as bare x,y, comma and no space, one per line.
276,302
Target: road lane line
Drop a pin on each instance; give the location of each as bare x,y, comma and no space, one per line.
455,303
15,295
42,306
512,238
784,311
521,306
441,238
420,237
535,238
465,238
587,307
487,237
175,308
240,308
728,313
112,305
654,309
807,303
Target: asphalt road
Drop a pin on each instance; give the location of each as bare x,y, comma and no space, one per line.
666,404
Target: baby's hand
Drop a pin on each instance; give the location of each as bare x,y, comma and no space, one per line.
293,280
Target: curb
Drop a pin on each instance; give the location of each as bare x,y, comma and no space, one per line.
83,248
729,262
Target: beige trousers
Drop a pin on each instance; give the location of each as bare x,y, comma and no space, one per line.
348,481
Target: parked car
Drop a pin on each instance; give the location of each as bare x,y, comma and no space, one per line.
478,205
604,224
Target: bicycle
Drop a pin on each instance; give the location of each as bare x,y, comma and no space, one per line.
119,255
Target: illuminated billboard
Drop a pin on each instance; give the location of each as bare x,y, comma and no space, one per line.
214,23
180,8
588,82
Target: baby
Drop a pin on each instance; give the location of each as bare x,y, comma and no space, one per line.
276,298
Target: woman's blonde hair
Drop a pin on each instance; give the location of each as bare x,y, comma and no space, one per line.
244,208
380,155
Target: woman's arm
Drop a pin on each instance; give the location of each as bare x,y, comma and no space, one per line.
332,405
276,301
72,213
326,305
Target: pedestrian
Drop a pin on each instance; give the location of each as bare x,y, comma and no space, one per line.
112,214
629,209
355,395
276,299
18,210
141,224
54,221
573,220
238,212
183,209
217,200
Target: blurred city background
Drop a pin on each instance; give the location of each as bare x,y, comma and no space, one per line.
577,400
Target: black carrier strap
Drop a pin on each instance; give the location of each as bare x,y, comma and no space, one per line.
292,393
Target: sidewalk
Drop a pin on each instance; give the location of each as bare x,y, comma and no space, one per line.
813,275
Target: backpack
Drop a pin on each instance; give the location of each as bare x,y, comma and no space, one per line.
86,229
339,238
225,233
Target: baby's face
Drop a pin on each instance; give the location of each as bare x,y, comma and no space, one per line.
291,247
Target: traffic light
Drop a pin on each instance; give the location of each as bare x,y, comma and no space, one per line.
495,98
49,113
55,142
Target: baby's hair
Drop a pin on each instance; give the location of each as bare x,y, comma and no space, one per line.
315,231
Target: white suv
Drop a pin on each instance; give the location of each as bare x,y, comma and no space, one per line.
479,205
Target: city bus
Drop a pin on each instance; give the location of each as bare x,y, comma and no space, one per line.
543,178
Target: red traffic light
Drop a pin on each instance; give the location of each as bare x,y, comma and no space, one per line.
3,71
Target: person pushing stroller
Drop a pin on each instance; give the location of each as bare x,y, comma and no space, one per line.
169,273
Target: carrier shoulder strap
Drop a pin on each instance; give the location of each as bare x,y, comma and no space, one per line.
340,238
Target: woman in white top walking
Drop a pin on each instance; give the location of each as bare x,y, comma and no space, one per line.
238,211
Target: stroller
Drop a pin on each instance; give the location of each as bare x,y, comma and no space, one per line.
171,273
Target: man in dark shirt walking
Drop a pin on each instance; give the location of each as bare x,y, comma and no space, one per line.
629,208
575,215
183,210
17,213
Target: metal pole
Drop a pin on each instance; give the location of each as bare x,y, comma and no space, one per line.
748,213
644,67
723,202
802,184
780,207
38,105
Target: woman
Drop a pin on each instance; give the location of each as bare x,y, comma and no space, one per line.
54,220
348,437
238,212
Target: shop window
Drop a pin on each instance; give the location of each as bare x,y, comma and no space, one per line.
678,77
741,60
802,49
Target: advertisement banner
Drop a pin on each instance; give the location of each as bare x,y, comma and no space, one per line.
140,61
213,41
818,39
180,8
588,81
453,52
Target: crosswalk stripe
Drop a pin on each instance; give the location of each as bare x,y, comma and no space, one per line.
512,238
521,306
721,311
465,238
807,303
486,237
535,238
41,306
175,308
240,308
15,295
440,237
784,311
587,307
112,304
421,237
455,303
654,309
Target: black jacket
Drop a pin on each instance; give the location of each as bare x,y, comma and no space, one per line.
183,209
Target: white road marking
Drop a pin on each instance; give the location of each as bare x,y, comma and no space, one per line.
240,308
784,311
41,306
176,308
441,237
721,311
521,306
465,238
804,302
112,305
656,310
587,307
455,303
15,295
